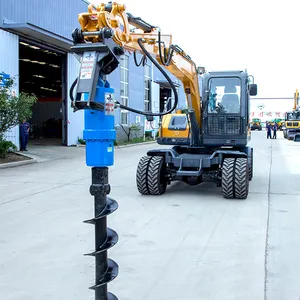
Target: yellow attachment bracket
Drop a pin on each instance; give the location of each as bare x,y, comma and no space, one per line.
100,17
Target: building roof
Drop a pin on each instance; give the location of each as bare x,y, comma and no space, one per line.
39,34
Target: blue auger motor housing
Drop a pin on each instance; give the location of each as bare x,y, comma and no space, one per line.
99,133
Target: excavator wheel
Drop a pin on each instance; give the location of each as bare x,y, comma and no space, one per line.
297,138
235,178
150,176
228,178
241,178
157,183
251,166
142,175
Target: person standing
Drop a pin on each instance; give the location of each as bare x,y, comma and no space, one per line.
24,134
269,130
275,128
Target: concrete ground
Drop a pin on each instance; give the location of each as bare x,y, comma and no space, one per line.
188,244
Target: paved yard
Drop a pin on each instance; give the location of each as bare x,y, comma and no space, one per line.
188,244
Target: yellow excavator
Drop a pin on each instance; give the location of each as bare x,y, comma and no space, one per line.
209,142
291,128
279,122
256,124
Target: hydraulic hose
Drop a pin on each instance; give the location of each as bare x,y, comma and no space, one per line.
165,60
72,89
140,42
147,54
143,60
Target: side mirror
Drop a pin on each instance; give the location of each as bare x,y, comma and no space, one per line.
150,118
253,89
201,70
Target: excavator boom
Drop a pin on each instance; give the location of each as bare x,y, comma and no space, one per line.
112,16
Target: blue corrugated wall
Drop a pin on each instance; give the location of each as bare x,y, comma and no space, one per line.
136,88
57,16
60,17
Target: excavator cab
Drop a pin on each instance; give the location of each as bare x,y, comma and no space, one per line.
226,107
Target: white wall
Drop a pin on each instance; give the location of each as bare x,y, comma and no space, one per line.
9,64
271,108
75,120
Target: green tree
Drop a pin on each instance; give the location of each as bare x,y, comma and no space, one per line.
13,108
132,128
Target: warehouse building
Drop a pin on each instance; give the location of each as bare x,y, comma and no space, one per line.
35,39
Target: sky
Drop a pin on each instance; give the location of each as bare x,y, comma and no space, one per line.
261,36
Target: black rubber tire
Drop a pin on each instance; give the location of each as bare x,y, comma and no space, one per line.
157,183
142,175
241,178
251,166
228,178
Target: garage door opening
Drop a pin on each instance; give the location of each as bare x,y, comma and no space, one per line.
41,73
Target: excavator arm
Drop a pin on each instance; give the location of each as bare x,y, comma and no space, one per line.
113,19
